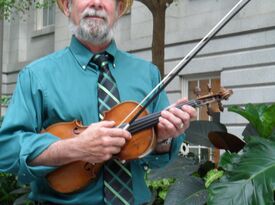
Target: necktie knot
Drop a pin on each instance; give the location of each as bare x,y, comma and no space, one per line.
101,60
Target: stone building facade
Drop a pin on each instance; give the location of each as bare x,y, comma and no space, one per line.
241,57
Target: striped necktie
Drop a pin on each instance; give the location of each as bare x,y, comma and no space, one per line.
117,176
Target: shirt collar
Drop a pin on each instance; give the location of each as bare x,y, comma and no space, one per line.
83,54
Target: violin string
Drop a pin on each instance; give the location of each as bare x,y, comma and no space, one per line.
152,119
143,124
149,120
190,55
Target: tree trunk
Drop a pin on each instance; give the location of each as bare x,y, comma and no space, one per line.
158,41
158,10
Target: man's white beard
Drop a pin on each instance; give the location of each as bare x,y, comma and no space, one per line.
95,31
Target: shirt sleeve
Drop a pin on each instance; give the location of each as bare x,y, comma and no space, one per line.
154,160
20,138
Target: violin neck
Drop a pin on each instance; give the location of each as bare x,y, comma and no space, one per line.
151,120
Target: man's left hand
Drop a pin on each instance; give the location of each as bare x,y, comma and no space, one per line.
174,121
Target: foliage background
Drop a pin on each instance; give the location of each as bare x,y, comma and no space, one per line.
20,7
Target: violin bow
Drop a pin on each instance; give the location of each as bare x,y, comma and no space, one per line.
182,64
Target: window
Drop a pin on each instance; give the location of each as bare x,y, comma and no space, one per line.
44,17
190,85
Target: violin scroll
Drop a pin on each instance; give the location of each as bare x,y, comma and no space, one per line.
223,94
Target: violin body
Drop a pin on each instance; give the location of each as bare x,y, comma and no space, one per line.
76,175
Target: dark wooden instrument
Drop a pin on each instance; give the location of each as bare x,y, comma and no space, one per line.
76,175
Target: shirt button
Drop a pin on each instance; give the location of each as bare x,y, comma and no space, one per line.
84,67
156,158
145,168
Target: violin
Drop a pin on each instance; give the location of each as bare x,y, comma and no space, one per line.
74,176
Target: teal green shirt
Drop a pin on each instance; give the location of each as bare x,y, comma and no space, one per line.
61,87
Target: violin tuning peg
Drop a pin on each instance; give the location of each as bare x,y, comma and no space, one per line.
220,106
197,91
209,87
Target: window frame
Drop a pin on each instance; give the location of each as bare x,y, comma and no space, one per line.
214,154
39,18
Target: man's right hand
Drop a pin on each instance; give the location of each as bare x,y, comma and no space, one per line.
97,143
100,141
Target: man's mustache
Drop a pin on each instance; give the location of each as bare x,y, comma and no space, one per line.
96,13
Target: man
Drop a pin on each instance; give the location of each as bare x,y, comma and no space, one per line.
63,87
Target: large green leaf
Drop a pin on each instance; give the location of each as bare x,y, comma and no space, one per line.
226,159
197,133
249,112
250,131
250,177
260,116
178,168
186,189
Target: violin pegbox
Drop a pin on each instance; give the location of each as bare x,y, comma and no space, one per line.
210,98
224,95
197,92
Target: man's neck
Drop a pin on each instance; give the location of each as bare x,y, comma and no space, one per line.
95,48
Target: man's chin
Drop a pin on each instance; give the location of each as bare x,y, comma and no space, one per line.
91,33
95,39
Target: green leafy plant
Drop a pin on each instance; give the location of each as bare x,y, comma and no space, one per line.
8,183
188,171
211,176
187,188
261,117
160,188
249,175
20,7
